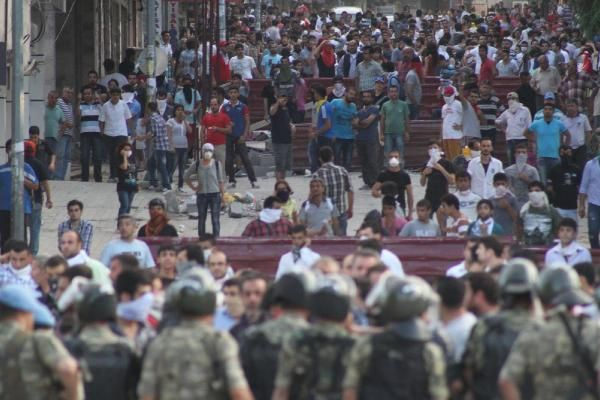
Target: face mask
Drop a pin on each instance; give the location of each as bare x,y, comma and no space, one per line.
394,162
284,195
128,153
207,155
475,153
524,49
537,199
501,191
127,97
449,99
464,192
338,86
521,159
136,310
433,152
513,105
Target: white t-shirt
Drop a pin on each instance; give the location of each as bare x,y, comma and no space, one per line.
136,248
391,261
577,127
459,330
468,204
243,66
115,118
515,123
452,114
179,133
457,271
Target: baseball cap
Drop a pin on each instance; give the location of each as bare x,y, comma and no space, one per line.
449,91
549,96
208,147
380,79
512,96
24,299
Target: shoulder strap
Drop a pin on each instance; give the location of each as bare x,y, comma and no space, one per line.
589,376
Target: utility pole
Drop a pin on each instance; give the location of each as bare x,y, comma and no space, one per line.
257,23
17,225
150,39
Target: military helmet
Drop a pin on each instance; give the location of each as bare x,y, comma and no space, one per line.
292,289
332,297
519,275
98,303
400,299
560,284
194,294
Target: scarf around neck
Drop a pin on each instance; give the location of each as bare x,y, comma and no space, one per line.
156,225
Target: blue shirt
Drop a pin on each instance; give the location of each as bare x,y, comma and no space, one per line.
268,61
590,182
136,111
322,116
547,136
6,187
368,134
341,116
236,115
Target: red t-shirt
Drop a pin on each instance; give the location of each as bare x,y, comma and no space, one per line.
219,120
486,70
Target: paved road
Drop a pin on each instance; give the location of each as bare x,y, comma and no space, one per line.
101,205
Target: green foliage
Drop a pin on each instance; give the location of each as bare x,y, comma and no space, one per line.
587,13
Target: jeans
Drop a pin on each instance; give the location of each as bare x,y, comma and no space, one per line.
313,155
580,156
93,142
413,111
343,150
178,160
204,201
36,225
235,147
393,142
510,149
342,224
63,156
594,225
544,165
125,200
111,143
160,158
368,155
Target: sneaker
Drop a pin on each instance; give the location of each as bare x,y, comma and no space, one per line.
254,185
151,187
111,180
165,190
180,190
231,185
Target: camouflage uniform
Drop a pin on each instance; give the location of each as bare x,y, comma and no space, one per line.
545,355
311,352
277,330
191,361
477,360
97,335
40,354
435,366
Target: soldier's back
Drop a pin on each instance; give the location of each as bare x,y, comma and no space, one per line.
547,355
191,361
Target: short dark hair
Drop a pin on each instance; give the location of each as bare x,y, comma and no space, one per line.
208,237
491,243
326,154
75,202
19,246
370,244
77,270
298,228
374,225
424,203
521,146
586,270
485,283
535,184
451,200
55,261
233,282
320,90
569,223
115,90
485,201
270,201
34,130
129,280
128,261
194,253
500,177
166,247
452,291
388,201
463,174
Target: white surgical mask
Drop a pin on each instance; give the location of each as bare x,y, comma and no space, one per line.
449,99
513,105
521,159
394,162
433,152
537,199
128,153
207,155
338,86
524,49
475,153
501,191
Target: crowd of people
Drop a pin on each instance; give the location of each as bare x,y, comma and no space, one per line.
186,323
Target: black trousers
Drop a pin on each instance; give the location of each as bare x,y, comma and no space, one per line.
233,148
368,154
111,143
5,228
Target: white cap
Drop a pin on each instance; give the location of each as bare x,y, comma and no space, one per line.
208,147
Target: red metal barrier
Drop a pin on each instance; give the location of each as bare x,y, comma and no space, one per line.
426,257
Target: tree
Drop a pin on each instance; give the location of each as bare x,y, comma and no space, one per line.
587,13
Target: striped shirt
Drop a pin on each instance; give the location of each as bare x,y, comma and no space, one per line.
67,109
89,114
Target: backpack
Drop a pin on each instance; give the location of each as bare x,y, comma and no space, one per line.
110,371
396,369
322,377
497,343
259,358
